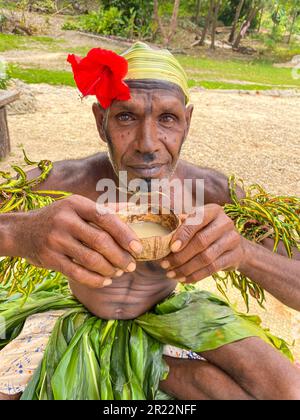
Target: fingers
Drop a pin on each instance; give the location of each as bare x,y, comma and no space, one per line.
208,260
200,242
91,260
100,241
189,229
79,274
222,263
111,223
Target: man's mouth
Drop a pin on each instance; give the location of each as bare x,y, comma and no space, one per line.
145,171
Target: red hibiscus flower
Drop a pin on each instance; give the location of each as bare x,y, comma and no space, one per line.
101,73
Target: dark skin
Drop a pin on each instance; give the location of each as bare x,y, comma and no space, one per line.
98,252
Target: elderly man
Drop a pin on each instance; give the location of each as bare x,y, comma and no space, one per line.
144,133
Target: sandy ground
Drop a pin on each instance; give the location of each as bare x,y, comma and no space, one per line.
255,137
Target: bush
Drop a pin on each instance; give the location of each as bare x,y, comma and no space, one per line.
142,9
277,33
71,25
3,21
106,22
111,21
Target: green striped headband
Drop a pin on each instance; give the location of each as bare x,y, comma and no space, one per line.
145,62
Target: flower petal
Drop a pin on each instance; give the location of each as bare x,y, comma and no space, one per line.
101,73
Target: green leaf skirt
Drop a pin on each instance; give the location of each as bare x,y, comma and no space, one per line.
93,359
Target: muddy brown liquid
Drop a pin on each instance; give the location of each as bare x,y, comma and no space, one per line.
148,229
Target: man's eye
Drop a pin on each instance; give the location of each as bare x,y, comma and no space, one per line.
124,117
167,118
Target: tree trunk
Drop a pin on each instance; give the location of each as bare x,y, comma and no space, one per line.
293,25
207,23
198,8
4,135
246,25
174,20
236,19
159,22
216,9
167,36
260,19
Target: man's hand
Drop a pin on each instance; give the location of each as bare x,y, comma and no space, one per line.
199,251
71,236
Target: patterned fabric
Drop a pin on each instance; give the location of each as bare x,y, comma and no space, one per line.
173,351
21,357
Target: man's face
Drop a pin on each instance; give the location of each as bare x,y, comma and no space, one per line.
145,134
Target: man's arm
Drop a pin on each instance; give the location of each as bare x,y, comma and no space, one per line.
73,236
215,245
87,244
275,273
9,242
74,176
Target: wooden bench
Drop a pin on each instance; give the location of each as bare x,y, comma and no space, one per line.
6,97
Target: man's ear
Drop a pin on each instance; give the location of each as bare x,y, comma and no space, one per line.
99,114
188,117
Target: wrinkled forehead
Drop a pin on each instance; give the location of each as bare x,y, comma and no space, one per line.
154,90
137,86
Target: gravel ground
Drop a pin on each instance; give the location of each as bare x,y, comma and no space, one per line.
255,137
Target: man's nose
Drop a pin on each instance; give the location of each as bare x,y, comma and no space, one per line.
147,137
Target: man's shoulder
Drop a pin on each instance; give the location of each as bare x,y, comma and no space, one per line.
215,182
88,161
79,168
81,175
78,176
96,163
